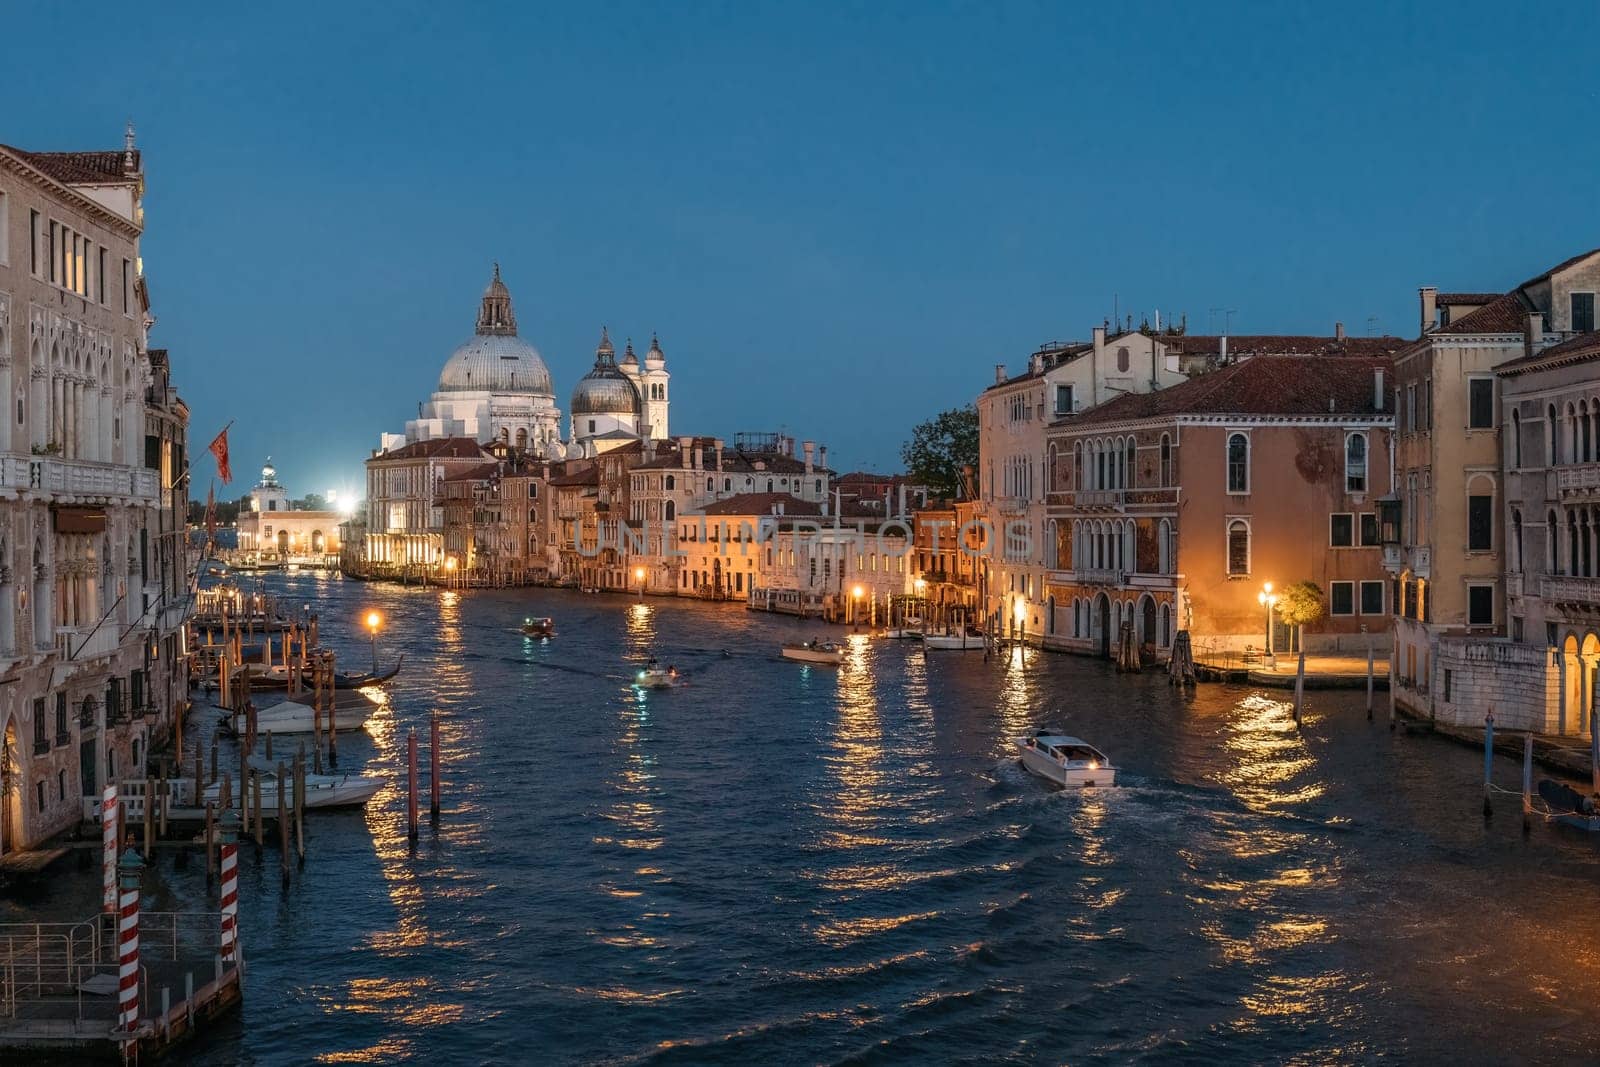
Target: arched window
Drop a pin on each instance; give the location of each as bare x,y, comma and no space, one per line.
1077,465
1238,463
1555,440
1572,435
672,510
1552,544
1164,547
1516,539
711,485
1166,461
1166,627
1238,548
672,482
1050,470
1585,449
1516,440
1132,478
1355,463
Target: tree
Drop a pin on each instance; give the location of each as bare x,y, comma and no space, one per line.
1299,604
941,447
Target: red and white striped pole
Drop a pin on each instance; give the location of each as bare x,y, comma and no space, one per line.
108,840
230,888
128,944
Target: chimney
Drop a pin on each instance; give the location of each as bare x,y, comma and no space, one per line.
1533,335
684,444
1338,331
1377,389
699,455
902,510
809,447
1224,348
822,456
716,443
1429,294
999,373
1036,363
1099,337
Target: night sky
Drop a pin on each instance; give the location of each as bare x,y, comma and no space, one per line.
838,218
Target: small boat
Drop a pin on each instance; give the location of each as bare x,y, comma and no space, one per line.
539,627
322,790
910,629
1065,760
657,678
290,717
365,678
815,651
969,639
1569,807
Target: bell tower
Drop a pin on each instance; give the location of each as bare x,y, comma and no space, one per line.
653,380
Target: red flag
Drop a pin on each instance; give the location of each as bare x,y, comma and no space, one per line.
219,448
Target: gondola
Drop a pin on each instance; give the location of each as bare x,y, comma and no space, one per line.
366,678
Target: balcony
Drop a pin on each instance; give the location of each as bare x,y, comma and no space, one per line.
77,478
1099,498
1011,505
1573,592
1580,479
83,643
1096,576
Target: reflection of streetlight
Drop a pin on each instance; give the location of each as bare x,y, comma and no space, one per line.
1266,599
1019,611
449,569
638,576
856,609
373,619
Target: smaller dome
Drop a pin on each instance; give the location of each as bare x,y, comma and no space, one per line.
655,355
628,358
605,390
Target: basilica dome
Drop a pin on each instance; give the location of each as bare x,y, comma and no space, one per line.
495,359
605,390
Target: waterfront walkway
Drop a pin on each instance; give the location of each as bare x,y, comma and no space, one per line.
1323,671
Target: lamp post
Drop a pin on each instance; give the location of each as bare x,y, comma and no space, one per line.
373,619
1266,599
855,608
638,576
449,570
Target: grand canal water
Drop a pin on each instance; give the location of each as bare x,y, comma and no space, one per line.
781,864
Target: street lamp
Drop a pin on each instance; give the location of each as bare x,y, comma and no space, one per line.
638,576
856,610
1266,599
373,619
449,569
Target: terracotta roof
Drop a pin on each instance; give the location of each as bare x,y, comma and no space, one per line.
80,168
761,504
1466,298
1264,385
474,474
1281,345
1559,267
587,476
1506,314
1576,349
439,448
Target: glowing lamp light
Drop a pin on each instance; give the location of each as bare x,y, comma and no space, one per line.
638,572
449,563
1020,611
858,591
373,619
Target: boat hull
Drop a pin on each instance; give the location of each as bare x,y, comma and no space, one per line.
291,718
952,643
1071,777
814,655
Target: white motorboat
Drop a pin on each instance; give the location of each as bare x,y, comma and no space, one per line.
322,790
815,651
1066,760
966,641
290,717
657,678
910,630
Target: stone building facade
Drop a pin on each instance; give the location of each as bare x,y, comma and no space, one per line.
93,492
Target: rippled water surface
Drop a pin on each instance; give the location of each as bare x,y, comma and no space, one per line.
783,864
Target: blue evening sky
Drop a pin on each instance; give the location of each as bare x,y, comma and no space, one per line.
839,217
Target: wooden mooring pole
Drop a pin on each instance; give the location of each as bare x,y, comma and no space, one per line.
1527,781
411,784
283,825
1369,678
211,843
1299,689
433,766
255,802
1488,760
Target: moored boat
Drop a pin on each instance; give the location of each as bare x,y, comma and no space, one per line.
291,717
815,651
657,678
910,629
322,790
1065,760
967,639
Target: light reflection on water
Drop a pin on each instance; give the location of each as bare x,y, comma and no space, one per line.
779,862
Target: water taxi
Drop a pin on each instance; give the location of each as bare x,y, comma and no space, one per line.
542,626
1065,760
322,790
815,651
654,677
910,629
